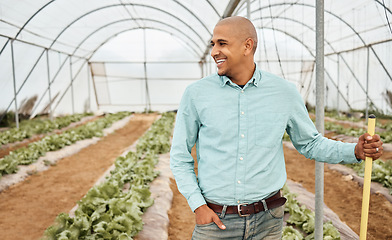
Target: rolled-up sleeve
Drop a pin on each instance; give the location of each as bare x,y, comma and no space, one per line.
181,160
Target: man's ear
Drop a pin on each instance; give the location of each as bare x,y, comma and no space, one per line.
249,43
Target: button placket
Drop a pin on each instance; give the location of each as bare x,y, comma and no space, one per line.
242,147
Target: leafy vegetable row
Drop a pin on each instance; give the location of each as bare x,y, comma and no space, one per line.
31,153
386,136
112,210
381,172
303,218
29,128
387,126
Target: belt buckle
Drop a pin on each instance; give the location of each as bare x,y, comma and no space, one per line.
239,209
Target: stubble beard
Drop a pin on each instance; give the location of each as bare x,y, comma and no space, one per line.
223,73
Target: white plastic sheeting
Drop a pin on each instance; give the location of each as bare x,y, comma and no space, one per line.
141,54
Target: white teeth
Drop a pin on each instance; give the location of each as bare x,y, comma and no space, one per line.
220,61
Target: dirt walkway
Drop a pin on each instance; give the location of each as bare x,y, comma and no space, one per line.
342,195
29,207
182,220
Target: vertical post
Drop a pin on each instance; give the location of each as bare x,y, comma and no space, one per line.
248,9
367,84
88,88
148,103
318,235
72,92
209,67
95,87
338,80
201,64
14,79
49,86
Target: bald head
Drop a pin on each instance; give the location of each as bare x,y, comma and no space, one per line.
240,27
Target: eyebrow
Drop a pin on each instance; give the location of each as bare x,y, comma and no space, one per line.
219,40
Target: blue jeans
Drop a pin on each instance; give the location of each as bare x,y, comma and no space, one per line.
266,225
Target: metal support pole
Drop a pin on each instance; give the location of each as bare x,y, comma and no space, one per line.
338,80
95,87
148,103
248,9
201,64
88,89
14,79
49,86
367,84
71,84
47,89
209,67
319,185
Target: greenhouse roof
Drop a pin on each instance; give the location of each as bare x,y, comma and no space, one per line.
357,43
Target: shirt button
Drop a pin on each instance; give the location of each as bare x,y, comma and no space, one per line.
242,113
241,158
242,135
238,201
239,182
242,91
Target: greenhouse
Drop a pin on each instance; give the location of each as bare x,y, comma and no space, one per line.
90,90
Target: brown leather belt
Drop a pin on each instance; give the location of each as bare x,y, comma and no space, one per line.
245,209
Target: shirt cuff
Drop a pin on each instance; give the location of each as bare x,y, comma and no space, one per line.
348,154
196,200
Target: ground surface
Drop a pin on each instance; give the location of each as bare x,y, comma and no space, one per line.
31,206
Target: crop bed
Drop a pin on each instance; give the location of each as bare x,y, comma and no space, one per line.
31,206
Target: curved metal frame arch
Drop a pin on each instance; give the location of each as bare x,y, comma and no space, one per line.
126,30
212,6
308,5
43,7
311,53
340,19
187,9
385,7
117,5
144,19
5,45
107,40
329,44
198,19
377,1
39,10
27,22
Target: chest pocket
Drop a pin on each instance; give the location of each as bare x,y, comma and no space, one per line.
270,128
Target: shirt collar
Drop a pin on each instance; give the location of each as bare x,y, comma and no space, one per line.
256,78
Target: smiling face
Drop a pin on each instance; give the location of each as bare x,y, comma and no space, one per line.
233,44
226,50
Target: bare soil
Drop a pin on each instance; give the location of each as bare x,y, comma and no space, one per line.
31,206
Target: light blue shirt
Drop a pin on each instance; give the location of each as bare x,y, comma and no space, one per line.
238,135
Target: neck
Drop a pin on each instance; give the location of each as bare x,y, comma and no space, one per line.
244,75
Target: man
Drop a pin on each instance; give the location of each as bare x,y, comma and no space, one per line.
237,119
